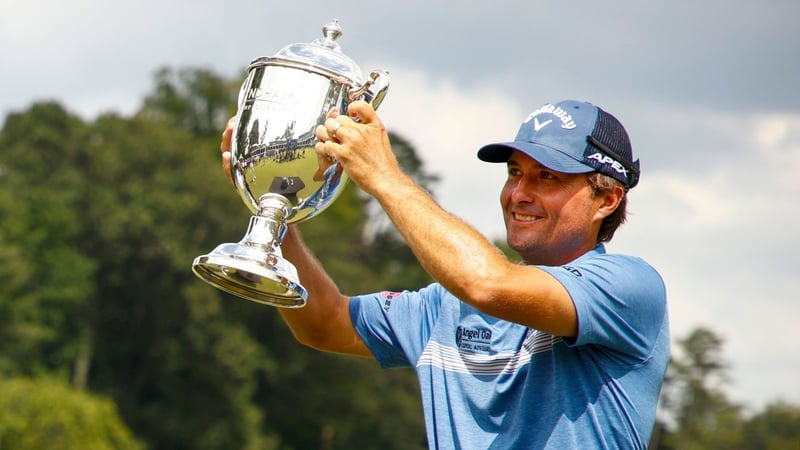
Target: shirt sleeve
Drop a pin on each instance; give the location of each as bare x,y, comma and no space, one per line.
620,302
396,326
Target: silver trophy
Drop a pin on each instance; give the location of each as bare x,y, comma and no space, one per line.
275,167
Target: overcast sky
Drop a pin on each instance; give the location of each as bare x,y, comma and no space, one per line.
708,91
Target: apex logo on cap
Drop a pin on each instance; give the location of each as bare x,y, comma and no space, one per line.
607,160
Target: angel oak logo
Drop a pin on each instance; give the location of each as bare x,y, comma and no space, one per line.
474,339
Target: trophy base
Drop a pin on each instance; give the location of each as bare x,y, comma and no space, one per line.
253,274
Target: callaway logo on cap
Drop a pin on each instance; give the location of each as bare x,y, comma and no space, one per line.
572,137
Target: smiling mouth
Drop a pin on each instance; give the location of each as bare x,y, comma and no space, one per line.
524,217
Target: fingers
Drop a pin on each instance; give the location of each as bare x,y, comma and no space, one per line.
333,113
332,127
225,145
330,130
336,125
340,133
325,133
226,166
225,148
323,163
362,112
322,133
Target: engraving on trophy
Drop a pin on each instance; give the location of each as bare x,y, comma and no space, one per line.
261,94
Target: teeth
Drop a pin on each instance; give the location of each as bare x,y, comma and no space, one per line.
524,218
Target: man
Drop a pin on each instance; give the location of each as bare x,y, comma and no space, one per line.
567,349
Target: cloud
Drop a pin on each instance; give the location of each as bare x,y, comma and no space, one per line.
777,149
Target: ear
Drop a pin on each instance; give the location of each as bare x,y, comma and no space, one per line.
609,201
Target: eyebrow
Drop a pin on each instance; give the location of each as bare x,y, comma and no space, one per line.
537,164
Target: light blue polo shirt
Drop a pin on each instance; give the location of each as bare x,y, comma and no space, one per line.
492,384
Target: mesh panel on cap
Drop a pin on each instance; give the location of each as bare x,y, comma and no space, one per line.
610,132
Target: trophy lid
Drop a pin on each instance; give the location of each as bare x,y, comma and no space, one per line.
323,55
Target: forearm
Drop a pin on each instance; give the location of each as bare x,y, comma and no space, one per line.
324,322
454,253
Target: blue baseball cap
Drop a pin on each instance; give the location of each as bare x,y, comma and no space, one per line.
572,137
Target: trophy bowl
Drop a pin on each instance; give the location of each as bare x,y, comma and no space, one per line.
274,166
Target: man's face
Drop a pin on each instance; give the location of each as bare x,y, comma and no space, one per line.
551,217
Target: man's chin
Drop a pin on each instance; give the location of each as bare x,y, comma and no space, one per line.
522,247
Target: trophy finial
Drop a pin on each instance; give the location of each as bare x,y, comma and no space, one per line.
332,30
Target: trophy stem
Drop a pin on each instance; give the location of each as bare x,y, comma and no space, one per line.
267,229
254,268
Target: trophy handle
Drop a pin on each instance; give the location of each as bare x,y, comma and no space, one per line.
374,89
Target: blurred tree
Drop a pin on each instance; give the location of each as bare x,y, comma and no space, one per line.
192,99
44,414
45,275
776,428
705,417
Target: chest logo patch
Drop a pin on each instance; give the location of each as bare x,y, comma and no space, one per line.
474,340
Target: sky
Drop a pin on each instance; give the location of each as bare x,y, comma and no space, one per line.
708,91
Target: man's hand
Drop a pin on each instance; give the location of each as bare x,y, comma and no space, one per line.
360,144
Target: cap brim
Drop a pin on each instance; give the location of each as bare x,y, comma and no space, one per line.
547,156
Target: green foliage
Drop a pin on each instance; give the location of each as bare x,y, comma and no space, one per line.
776,428
45,275
43,414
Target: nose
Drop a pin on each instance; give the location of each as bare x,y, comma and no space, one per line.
522,190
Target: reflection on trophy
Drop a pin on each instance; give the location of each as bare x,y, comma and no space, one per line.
275,167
